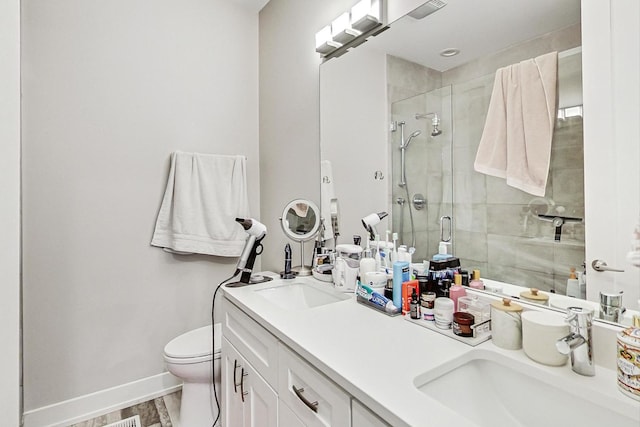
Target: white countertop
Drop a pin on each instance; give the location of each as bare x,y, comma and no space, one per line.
376,358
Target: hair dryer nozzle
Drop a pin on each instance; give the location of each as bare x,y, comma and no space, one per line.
252,226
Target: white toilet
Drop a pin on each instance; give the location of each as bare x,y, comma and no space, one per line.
189,357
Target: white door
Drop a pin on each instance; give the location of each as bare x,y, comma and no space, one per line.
611,86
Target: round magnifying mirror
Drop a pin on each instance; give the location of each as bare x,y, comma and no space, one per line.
300,222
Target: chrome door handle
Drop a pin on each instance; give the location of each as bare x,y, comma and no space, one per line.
242,392
311,405
599,265
235,381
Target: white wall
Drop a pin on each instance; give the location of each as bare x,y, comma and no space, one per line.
10,211
289,111
110,89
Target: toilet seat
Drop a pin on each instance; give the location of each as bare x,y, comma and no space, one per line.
194,346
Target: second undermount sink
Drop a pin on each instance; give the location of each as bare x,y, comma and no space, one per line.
492,390
300,295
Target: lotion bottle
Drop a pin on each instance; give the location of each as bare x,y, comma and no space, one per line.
476,283
456,291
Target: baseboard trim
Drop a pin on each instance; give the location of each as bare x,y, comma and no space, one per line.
93,405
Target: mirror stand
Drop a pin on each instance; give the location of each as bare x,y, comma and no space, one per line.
300,222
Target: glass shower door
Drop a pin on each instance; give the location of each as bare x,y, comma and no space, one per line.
422,188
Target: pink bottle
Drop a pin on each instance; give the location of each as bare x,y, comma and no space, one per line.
457,290
476,283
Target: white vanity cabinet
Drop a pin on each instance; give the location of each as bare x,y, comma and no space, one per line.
247,398
249,372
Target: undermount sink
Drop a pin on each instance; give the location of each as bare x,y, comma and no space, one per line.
300,295
490,389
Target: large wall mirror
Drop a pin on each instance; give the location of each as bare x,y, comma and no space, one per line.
401,120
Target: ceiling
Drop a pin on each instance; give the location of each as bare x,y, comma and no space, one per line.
255,5
477,28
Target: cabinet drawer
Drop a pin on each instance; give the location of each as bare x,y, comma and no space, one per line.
255,343
315,399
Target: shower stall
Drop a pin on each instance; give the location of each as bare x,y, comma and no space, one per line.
421,152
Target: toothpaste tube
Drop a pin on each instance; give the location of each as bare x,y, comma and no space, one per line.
381,301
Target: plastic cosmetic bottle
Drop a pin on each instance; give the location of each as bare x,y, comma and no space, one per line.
442,252
456,291
476,283
573,286
367,263
400,275
415,306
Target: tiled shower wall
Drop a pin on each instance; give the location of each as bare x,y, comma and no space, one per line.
496,228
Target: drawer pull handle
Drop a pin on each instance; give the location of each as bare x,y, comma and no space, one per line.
311,405
242,392
235,381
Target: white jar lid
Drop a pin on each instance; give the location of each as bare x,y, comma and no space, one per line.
544,318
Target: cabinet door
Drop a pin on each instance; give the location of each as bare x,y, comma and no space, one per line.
363,417
232,410
286,417
260,400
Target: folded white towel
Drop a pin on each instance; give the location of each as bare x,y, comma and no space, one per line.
516,141
204,195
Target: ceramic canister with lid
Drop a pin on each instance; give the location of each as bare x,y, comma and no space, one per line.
540,331
535,296
629,362
506,324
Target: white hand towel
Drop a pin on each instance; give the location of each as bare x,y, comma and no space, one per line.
516,141
204,195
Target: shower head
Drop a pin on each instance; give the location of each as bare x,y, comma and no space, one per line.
435,122
413,135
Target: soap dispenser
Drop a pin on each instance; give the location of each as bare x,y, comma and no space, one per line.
573,286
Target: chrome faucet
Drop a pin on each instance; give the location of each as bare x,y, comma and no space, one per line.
578,343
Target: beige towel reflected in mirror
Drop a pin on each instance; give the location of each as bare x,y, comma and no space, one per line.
516,141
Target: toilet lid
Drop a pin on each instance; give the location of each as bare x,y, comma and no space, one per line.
196,343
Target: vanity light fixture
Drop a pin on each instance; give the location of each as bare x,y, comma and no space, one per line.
366,14
350,28
324,41
341,29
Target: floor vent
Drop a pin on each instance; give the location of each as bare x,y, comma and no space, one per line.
129,422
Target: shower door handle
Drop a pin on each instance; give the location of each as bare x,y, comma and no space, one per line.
444,219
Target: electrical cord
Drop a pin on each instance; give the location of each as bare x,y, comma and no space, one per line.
213,346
